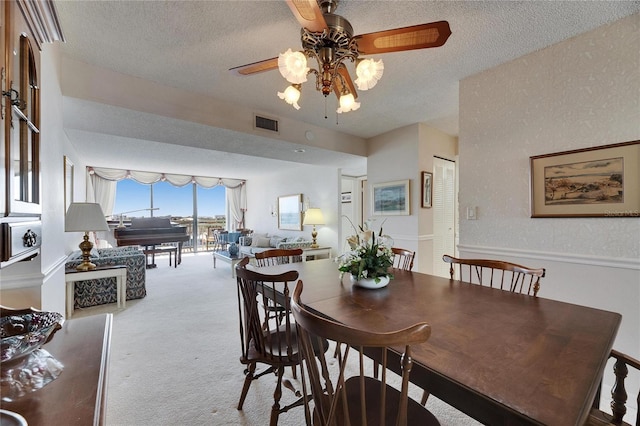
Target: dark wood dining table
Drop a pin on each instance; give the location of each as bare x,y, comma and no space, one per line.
502,358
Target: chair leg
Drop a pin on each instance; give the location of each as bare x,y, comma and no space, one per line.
247,382
425,396
277,394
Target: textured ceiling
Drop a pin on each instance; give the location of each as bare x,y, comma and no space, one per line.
190,45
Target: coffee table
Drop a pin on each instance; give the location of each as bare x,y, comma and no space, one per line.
226,257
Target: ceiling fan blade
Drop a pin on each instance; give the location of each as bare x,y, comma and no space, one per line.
339,88
422,36
308,14
256,67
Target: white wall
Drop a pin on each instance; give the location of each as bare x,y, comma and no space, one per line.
580,93
403,154
320,187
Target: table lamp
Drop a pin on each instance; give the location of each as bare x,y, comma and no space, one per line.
85,217
313,217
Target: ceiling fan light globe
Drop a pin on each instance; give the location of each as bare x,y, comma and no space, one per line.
369,72
347,103
293,66
291,95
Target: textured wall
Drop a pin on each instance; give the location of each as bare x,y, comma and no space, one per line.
580,93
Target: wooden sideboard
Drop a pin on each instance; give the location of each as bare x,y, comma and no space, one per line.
78,396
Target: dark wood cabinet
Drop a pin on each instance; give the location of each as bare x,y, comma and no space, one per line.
20,114
25,26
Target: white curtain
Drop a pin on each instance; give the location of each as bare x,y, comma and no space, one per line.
104,193
101,187
237,201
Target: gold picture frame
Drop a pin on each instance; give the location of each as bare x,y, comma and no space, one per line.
601,181
68,183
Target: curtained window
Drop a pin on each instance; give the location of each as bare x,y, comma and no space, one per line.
101,188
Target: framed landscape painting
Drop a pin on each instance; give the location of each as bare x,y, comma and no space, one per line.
391,198
601,181
290,212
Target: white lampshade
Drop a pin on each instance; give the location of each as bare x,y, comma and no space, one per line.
85,217
369,72
293,66
347,103
291,95
313,216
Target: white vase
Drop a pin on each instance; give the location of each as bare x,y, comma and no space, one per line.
370,282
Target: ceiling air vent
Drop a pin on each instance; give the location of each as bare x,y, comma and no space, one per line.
266,123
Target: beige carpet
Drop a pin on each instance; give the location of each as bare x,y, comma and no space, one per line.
174,355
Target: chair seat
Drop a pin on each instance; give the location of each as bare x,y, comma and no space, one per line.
276,352
416,414
278,349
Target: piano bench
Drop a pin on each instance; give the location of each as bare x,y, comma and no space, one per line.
159,250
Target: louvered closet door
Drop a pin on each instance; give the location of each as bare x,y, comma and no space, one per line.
444,196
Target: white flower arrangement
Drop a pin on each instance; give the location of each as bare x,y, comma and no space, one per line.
370,256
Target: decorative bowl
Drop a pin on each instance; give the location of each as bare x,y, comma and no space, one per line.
25,330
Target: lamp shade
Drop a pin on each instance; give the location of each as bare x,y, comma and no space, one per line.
313,217
293,66
85,217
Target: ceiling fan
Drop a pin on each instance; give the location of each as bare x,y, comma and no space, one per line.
329,39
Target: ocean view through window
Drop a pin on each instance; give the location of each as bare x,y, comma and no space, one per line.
207,205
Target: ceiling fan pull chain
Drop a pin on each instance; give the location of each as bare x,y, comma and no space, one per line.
325,107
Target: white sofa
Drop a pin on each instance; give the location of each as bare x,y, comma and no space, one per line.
256,243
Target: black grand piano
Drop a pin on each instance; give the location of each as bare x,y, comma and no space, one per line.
152,231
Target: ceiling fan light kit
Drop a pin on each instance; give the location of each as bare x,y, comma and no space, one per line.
369,72
291,95
347,103
293,66
329,39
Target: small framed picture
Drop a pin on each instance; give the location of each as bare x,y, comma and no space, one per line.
346,197
427,190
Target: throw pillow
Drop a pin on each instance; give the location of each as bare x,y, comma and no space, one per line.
274,240
261,242
255,237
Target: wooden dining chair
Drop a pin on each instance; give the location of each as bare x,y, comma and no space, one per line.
598,417
496,273
278,257
402,258
341,392
266,342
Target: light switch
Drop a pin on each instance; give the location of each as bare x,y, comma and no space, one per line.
471,213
